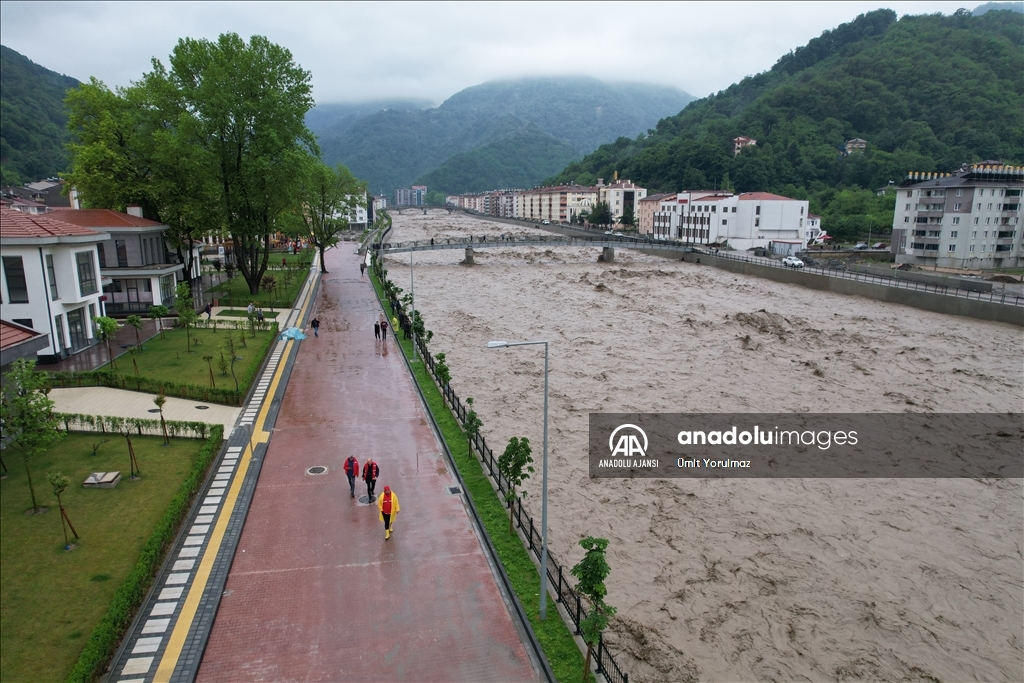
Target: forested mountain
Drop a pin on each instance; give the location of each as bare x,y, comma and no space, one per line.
394,148
33,126
330,120
927,93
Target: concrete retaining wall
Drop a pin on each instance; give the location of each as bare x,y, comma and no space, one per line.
939,303
952,282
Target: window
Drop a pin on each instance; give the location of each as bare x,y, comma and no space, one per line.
979,206
906,219
959,193
17,287
801,211
52,277
935,233
990,206
931,247
24,322
102,254
953,234
757,222
725,222
714,209
734,209
952,247
910,193
122,253
757,211
956,207
1011,207
986,234
58,324
167,289
976,220
1004,247
974,234
970,248
917,245
988,221
86,273
956,220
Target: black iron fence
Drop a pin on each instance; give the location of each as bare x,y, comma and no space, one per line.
556,575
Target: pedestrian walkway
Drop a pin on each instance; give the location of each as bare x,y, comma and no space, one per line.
122,403
315,592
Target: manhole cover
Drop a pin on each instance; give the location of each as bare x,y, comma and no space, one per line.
365,500
316,470
153,410
454,491
202,407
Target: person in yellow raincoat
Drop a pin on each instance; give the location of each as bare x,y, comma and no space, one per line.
388,506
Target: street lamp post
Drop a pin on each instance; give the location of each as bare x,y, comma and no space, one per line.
412,313
544,477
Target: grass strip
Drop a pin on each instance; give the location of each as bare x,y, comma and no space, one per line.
554,636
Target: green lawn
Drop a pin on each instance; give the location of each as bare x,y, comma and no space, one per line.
166,358
244,313
235,292
563,655
50,599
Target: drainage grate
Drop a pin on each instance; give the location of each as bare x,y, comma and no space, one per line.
317,470
153,410
454,491
202,407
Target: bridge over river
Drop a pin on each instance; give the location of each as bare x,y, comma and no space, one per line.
607,244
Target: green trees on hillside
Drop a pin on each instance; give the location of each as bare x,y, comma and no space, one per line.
928,93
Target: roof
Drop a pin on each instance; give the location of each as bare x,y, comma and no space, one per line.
104,218
20,201
11,334
658,197
812,215
758,196
15,223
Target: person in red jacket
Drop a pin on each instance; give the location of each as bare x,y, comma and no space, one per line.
351,471
370,474
388,506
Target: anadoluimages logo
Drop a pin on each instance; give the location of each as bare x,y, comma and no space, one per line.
628,444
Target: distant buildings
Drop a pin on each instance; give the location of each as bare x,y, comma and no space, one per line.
414,196
48,193
854,146
620,196
558,204
742,141
967,219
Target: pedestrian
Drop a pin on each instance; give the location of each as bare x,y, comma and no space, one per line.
351,471
384,329
259,314
362,268
251,308
370,474
388,506
315,324
208,311
376,330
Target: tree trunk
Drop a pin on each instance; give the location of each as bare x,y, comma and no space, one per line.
31,489
323,266
586,665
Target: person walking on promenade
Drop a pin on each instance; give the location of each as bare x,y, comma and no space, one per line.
370,474
384,329
251,308
315,324
362,268
376,330
208,311
388,506
351,471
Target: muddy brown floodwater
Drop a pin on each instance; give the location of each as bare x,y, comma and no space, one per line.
743,579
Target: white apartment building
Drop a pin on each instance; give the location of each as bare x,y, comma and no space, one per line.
620,195
558,204
968,219
744,221
51,280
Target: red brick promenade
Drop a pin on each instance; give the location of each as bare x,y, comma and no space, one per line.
315,593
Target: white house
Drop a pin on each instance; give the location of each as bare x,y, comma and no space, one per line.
51,280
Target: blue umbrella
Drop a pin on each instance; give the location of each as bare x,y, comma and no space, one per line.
293,333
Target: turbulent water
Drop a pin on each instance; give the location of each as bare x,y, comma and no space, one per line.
743,580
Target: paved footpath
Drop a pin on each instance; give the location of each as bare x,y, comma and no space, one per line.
315,593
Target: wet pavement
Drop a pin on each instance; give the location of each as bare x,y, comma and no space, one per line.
314,592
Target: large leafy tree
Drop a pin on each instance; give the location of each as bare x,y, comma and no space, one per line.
244,106
329,197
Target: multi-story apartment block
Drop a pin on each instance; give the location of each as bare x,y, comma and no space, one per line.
51,280
620,196
558,204
411,196
967,219
646,210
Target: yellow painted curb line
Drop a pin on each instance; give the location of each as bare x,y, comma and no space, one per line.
188,611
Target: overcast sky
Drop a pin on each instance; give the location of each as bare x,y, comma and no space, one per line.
365,51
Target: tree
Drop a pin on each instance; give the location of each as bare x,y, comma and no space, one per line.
156,313
243,106
60,483
514,465
136,322
591,571
600,214
471,425
627,216
209,364
107,327
329,197
27,415
161,400
186,311
441,371
124,428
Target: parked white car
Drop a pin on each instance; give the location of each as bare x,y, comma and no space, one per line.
792,262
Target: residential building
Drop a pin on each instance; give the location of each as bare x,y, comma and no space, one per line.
48,192
558,204
679,217
812,228
414,196
51,280
742,141
966,219
621,195
18,341
380,202
24,205
647,208
138,271
854,146
358,218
